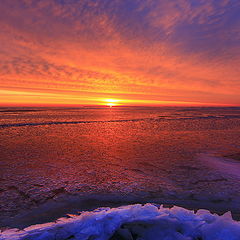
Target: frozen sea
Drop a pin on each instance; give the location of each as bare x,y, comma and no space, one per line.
55,161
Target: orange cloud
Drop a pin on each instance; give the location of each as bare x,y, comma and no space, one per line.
82,51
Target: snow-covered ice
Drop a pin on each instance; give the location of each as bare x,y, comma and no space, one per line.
145,222
223,164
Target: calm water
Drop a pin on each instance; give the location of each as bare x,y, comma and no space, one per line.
73,158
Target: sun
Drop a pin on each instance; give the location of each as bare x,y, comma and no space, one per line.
111,102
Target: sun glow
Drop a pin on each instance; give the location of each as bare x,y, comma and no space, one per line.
111,102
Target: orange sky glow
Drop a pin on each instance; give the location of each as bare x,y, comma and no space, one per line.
153,52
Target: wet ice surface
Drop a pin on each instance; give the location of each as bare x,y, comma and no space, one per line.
115,156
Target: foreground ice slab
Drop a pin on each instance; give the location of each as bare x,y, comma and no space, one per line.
147,222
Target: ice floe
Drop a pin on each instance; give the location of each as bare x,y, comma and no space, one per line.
142,222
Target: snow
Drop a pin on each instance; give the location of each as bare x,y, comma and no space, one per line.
142,222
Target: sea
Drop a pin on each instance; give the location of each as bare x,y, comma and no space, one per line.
56,161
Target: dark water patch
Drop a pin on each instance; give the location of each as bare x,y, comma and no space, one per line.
59,191
115,121
217,201
189,168
20,110
136,170
147,164
38,185
235,156
210,180
70,122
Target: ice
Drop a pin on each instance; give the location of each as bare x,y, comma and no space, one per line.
142,222
223,164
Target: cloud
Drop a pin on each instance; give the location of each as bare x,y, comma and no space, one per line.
133,48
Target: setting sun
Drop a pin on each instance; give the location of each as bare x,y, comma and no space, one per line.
111,102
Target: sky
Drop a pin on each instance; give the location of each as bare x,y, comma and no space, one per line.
127,52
